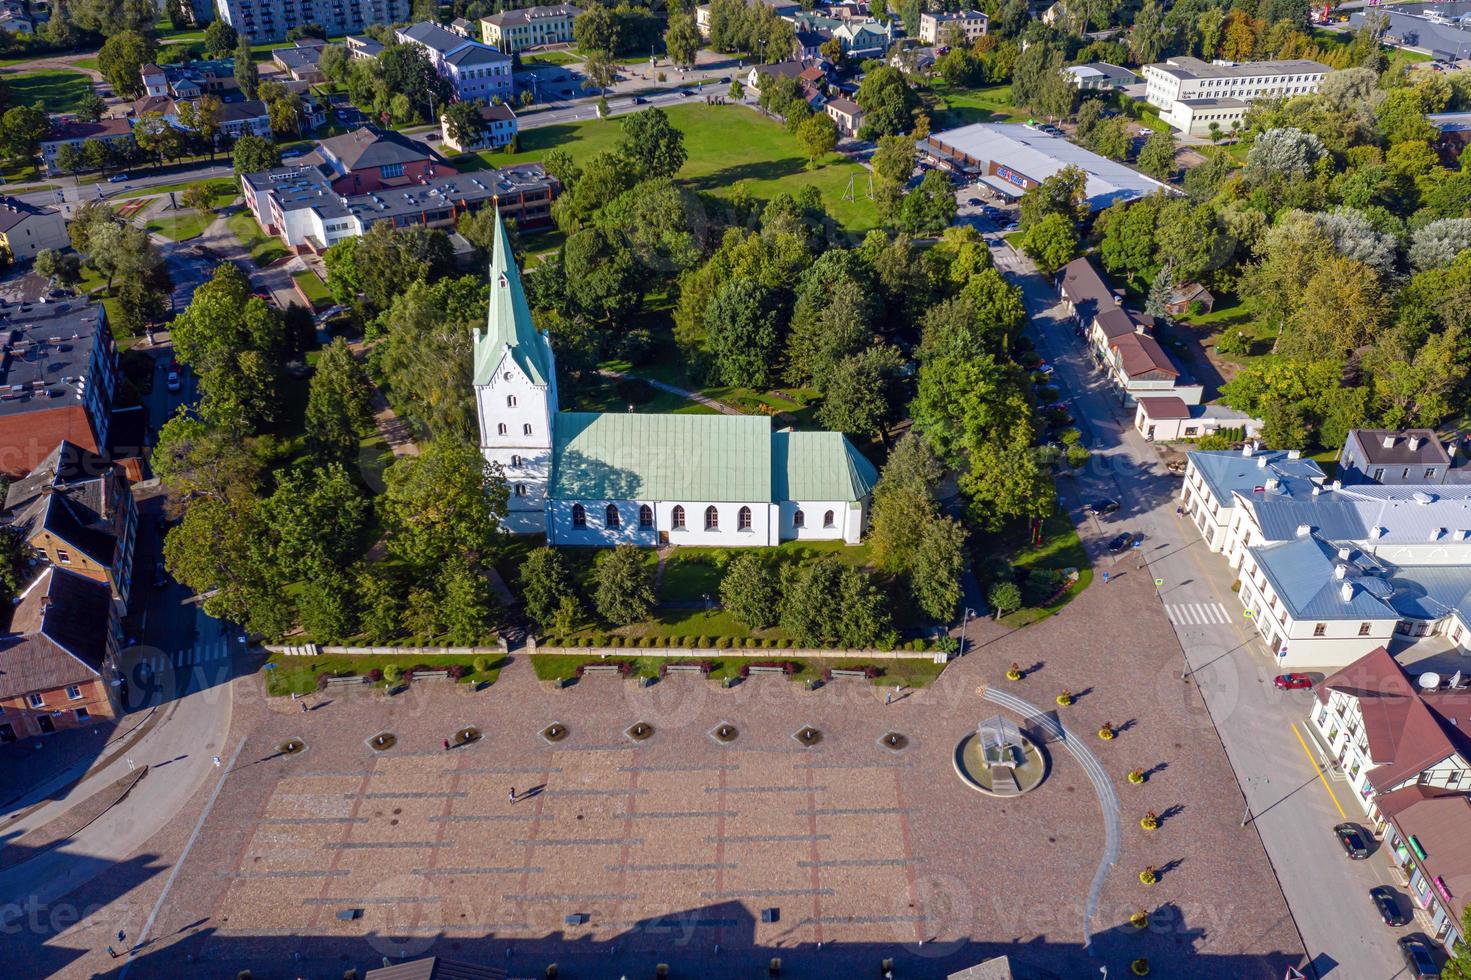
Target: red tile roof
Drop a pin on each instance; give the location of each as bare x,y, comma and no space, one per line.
1141,354
1165,407
1440,822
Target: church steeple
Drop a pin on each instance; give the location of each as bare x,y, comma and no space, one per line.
508,319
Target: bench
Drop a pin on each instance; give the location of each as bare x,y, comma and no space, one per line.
602,669
766,670
345,681
684,668
848,672
431,675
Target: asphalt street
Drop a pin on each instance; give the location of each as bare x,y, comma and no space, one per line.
1263,730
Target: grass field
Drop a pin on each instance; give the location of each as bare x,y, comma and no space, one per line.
179,226
314,289
264,249
57,91
1059,548
298,675
222,189
964,106
915,671
728,146
551,58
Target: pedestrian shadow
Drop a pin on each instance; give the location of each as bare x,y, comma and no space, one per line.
1170,812
531,793
1120,729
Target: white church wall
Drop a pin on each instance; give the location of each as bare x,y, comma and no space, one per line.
597,532
727,535
815,525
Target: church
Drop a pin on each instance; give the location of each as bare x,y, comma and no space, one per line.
595,478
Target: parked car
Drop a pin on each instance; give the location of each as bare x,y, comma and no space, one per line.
1355,842
1419,958
1145,131
974,202
639,100
1122,542
117,178
173,383
1044,368
1103,506
1292,682
1387,906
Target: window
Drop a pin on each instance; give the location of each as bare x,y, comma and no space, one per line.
83,714
1320,629
520,489
63,557
614,519
515,462
35,700
1405,475
743,521
827,519
500,429
1430,473
510,401
1378,473
73,693
1363,629
799,519
678,516
579,516
391,170
645,516
712,519
526,429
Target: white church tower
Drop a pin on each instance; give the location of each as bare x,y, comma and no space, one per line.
515,392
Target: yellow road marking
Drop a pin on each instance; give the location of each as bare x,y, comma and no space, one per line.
1319,770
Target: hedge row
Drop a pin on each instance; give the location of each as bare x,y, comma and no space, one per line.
705,643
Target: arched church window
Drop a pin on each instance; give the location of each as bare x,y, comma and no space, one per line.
501,429
799,519
827,519
579,516
678,517
515,462
645,516
520,489
712,519
510,401
526,429
744,520
614,518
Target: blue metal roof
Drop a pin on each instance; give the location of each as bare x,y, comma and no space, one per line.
1301,573
1432,591
1226,472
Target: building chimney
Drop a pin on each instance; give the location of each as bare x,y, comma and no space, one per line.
1414,443
1340,572
1389,440
1246,449
1294,454
1303,530
1346,591
1261,462
1344,553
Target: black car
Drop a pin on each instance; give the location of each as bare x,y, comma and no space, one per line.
1355,842
1123,542
639,100
1104,506
1419,958
1387,905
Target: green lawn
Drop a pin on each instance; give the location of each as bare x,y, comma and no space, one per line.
551,58
180,225
56,90
1059,548
222,189
264,249
911,672
963,106
728,146
298,675
608,395
315,289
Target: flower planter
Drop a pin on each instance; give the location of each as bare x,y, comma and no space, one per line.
1140,967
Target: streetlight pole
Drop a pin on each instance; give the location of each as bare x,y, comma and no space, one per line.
964,624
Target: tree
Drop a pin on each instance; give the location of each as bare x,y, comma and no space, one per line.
91,106
930,207
742,331
602,280
818,136
219,39
70,159
1157,157
339,405
1148,38
121,59
1004,598
596,29
937,569
202,118
652,144
15,560
444,505
1064,193
326,611
318,519
333,63
860,395
1160,292
682,40
380,603
284,114
464,123
600,68
903,502
1007,480
255,153
21,130
1282,153
65,268
1050,243
748,592
546,585
466,607
888,103
737,91
625,586
198,197
221,550
1438,243
826,601
247,75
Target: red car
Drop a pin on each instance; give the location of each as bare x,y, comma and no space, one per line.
1292,682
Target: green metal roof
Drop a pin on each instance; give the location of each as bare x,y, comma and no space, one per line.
508,322
818,466
626,456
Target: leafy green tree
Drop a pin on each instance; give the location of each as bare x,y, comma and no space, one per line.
252,154
937,568
861,393
122,57
380,603
596,29
443,505
546,584
833,320
748,591
318,519
420,616
463,122
70,159
888,103
1007,480
625,586
339,405
425,359
467,604
1157,156
602,281
903,502
682,40
222,550
15,559
65,268
326,611
21,130
1004,598
741,324
91,106
929,208
219,39
600,69
247,75
1064,193
1050,243
818,136
652,144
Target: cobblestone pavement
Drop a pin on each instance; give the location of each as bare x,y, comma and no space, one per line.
668,850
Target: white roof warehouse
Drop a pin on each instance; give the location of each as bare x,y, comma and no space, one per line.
1011,159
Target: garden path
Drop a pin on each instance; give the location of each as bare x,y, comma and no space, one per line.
693,396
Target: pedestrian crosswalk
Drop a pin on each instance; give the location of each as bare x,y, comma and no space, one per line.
1197,613
196,656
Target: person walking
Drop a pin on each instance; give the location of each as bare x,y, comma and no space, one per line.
511,797
217,762
446,745
303,707
889,697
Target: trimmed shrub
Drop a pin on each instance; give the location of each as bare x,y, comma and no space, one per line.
481,664
322,680
723,643
375,675
392,673
703,642
457,671
615,641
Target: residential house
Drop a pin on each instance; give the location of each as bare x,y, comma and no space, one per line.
1100,76
1385,734
76,511
1184,297
58,660
302,61
1163,418
516,30
847,114
864,39
270,20
1425,836
58,375
807,45
811,79
1393,457
473,70
15,18
237,119
1192,94
190,79
25,229
913,59
464,28
113,131
933,27
499,129
362,48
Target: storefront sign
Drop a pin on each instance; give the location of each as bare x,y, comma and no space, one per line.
1441,889
1415,844
1012,177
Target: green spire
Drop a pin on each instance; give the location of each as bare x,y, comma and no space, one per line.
508,319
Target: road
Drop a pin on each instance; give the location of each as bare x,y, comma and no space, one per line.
1292,807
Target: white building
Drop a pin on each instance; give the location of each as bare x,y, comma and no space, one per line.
516,30
473,70
26,229
269,20
587,478
1163,418
932,27
1100,76
499,128
1191,94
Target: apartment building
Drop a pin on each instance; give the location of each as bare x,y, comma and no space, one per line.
26,229
933,26
498,129
516,30
1191,94
111,131
473,70
269,20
